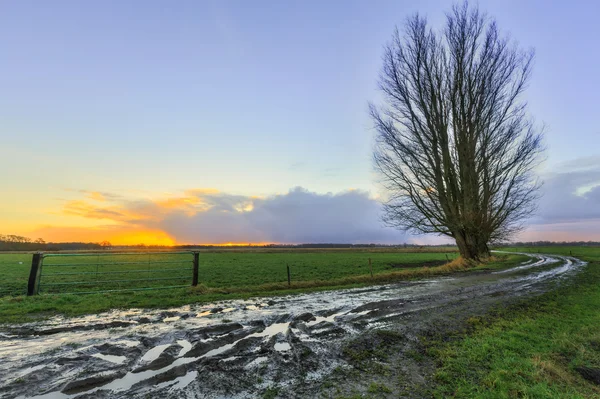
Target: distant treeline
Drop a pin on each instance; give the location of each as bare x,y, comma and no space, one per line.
554,244
20,243
326,245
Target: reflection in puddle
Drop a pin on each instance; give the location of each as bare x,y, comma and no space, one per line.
282,347
186,346
329,319
154,353
205,313
128,343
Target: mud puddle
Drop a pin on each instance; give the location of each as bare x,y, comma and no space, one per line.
243,348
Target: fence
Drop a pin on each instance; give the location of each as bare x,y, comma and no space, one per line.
221,269
99,272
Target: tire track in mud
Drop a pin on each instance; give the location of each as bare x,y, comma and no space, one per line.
242,348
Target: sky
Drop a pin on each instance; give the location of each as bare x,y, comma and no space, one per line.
246,122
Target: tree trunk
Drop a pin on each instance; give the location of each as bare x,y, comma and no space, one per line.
472,246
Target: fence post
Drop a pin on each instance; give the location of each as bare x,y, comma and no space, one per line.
371,267
32,285
196,266
289,277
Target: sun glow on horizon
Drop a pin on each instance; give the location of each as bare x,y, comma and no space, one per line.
143,237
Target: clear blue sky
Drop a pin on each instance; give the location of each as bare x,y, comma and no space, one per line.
248,97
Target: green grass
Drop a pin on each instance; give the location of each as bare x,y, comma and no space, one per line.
14,273
251,268
230,275
530,350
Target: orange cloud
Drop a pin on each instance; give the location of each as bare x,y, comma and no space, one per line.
85,209
132,211
117,235
129,222
96,196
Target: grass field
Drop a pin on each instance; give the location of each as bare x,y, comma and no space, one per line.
14,272
531,350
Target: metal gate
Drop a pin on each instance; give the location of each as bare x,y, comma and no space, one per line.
110,272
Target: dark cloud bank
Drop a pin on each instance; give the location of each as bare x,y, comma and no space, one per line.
300,216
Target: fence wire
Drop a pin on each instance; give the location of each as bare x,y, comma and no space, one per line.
111,272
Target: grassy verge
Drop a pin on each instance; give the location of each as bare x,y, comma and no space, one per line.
20,309
532,350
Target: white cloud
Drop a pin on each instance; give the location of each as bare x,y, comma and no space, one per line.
569,208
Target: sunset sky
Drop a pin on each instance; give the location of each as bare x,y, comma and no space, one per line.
246,121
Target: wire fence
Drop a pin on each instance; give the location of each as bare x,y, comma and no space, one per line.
58,273
109,272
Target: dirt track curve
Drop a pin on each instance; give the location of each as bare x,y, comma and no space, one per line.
244,349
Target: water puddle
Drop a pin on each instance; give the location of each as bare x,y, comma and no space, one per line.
541,261
282,347
364,312
154,353
273,329
127,343
186,346
205,313
178,383
329,319
111,358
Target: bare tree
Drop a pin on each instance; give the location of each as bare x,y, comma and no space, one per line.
455,146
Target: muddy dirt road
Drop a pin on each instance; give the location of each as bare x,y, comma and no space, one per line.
289,346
